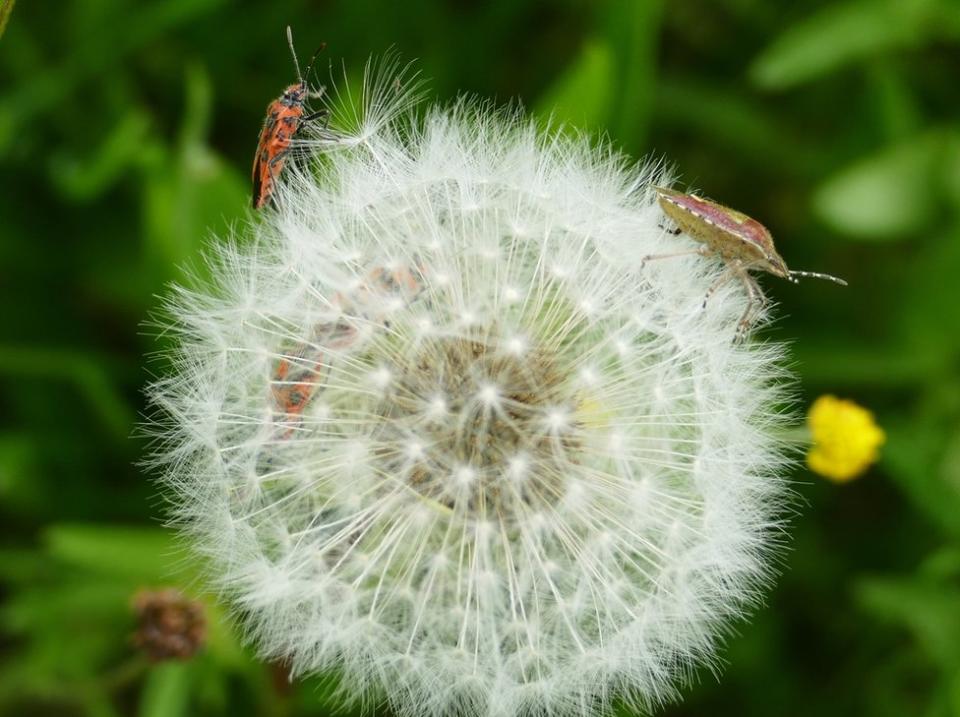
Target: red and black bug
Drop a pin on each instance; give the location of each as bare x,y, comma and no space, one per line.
285,116
301,369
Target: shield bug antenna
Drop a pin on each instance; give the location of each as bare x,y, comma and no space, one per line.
740,241
793,274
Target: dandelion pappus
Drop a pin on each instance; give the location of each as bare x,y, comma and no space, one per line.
285,116
742,242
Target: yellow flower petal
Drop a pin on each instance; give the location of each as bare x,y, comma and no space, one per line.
846,438
592,413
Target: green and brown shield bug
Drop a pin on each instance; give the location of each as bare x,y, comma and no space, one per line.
742,242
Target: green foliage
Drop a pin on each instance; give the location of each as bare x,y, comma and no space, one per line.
890,194
166,692
845,33
582,97
126,135
6,7
608,87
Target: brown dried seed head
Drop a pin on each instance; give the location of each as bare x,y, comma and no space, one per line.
169,625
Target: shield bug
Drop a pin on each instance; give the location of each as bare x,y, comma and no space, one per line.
742,242
285,116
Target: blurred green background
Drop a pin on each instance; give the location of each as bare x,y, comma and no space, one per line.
127,129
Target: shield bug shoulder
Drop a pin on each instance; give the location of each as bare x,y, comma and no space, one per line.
742,242
285,116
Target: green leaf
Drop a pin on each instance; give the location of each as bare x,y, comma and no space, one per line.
222,641
19,484
735,121
848,32
633,32
85,179
954,693
582,96
6,7
18,565
929,305
95,611
951,169
892,100
887,195
943,564
92,374
610,86
166,692
139,554
928,609
47,608
858,366
190,193
94,56
98,704
923,463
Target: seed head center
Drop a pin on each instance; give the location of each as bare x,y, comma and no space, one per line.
478,428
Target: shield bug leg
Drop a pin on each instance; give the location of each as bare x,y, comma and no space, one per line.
721,280
702,251
756,300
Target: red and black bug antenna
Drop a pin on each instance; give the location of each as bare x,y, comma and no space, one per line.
296,64
293,54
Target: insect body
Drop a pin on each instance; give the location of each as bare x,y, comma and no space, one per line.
284,118
301,369
742,242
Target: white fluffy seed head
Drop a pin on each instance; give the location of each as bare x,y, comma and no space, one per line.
435,426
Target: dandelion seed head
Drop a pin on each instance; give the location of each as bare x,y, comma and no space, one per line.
489,394
435,428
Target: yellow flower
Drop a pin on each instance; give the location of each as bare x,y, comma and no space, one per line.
592,413
846,439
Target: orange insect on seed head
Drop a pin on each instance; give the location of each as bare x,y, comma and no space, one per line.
285,116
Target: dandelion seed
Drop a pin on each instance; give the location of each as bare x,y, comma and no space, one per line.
518,476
